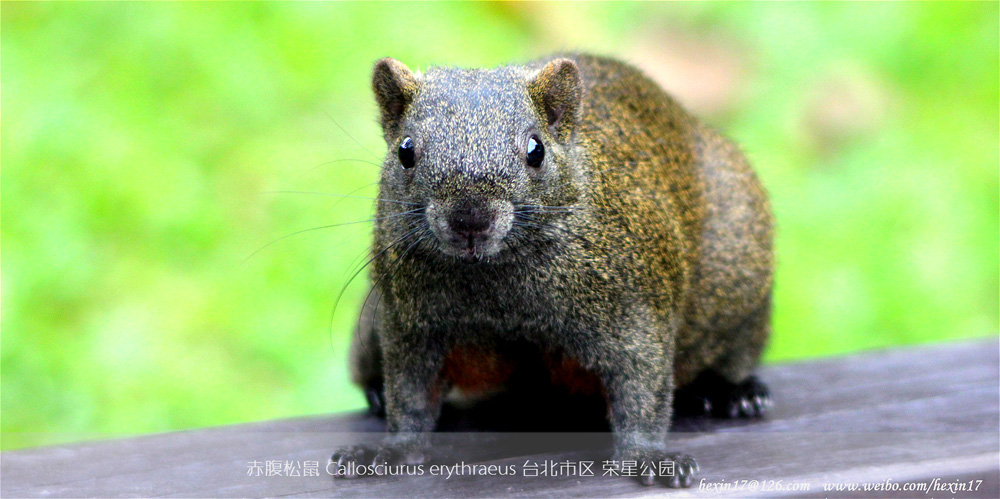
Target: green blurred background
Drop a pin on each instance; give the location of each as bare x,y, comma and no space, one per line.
142,145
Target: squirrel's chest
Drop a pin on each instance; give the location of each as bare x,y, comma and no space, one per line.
476,370
494,304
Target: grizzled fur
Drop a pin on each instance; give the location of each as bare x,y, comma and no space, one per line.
638,254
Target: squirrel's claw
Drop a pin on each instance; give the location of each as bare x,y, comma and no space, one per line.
345,461
681,475
711,395
749,399
376,401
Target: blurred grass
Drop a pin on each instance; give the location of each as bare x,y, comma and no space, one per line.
143,144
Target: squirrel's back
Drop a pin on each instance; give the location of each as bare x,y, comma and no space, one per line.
687,197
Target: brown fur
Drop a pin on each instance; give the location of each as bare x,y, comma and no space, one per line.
640,249
476,371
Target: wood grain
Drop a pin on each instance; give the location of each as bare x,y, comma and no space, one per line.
909,415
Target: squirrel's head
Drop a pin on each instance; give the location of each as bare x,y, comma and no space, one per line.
482,160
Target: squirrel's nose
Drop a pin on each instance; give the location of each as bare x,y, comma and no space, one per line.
470,221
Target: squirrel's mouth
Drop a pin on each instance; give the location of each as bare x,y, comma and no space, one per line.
473,250
470,233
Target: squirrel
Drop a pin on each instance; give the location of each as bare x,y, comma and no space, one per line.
569,212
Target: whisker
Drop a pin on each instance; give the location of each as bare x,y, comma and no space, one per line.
544,208
341,200
330,226
518,212
375,284
402,238
412,213
381,200
340,295
262,248
525,240
340,160
395,264
351,136
356,261
547,210
545,227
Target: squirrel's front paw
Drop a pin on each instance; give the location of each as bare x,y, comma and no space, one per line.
356,460
672,470
364,460
667,468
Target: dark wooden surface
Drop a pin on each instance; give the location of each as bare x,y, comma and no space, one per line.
899,417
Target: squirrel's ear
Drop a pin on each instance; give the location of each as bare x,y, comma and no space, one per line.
555,91
395,86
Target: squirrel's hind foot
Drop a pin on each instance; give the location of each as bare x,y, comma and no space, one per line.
711,395
376,401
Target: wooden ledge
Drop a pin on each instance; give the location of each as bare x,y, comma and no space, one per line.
926,416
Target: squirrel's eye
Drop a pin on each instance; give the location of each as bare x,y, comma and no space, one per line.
536,152
406,156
